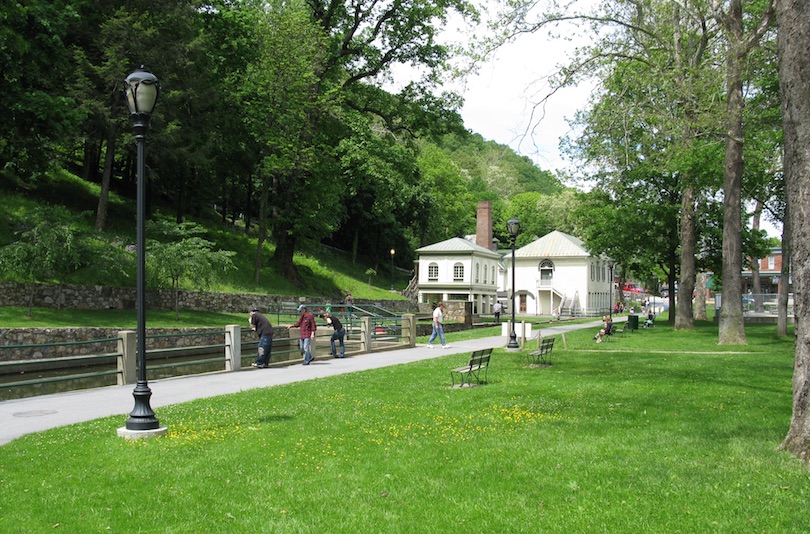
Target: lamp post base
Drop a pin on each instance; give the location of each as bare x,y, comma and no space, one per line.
142,417
512,346
126,433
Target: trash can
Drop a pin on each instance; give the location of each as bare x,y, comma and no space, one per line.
632,322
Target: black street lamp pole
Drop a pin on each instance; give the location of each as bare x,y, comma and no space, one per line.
141,91
392,269
513,226
610,267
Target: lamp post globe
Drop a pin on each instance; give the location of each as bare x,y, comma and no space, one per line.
513,228
141,89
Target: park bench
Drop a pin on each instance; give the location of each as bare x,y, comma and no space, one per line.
542,356
617,331
477,366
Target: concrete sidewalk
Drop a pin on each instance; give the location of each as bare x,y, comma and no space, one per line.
19,417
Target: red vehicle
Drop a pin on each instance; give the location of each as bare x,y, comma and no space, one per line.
632,287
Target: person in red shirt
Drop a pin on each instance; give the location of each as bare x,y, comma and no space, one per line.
306,322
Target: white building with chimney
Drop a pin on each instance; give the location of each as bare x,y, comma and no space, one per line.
458,269
554,274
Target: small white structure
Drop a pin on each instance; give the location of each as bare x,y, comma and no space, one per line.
458,270
555,274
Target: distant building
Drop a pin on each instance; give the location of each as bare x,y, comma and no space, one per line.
770,273
458,270
556,273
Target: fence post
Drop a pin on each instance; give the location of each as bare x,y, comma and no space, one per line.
365,334
233,347
127,361
409,329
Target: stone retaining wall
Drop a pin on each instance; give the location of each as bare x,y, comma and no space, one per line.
80,297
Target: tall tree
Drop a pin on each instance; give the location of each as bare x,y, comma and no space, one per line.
740,42
35,69
362,40
794,80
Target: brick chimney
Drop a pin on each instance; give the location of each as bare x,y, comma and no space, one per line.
483,226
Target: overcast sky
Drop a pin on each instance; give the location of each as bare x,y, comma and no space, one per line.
497,104
498,100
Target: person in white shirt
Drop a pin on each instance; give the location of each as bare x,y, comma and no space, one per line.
438,331
496,309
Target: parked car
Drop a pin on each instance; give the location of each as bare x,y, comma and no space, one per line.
632,287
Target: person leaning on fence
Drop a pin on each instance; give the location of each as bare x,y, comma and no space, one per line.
306,322
438,329
261,325
338,335
606,331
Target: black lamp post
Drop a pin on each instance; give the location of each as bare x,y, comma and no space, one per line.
141,90
392,268
513,227
610,268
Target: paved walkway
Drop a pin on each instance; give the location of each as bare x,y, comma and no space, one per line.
19,417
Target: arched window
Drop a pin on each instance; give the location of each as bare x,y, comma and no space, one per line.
485,274
494,280
433,272
477,273
546,269
458,272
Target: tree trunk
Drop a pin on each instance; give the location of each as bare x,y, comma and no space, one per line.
355,244
249,204
794,80
700,297
283,257
257,265
684,318
106,176
732,327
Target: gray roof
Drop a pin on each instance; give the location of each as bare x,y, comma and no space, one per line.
457,245
554,245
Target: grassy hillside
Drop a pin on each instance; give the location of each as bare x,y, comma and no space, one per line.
324,272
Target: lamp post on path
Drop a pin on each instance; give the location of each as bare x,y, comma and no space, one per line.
141,91
611,264
392,268
513,226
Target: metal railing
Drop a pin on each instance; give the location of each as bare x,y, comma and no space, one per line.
364,334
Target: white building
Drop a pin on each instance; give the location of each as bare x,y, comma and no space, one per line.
554,273
458,270
557,274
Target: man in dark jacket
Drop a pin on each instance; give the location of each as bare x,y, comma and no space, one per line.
338,335
261,325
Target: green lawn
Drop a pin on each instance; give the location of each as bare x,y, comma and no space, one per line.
658,431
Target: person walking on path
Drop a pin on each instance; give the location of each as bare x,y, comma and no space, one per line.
261,325
338,335
438,329
306,322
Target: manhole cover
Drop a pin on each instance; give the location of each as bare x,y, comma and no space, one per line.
34,413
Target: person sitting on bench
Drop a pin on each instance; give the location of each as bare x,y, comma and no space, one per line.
606,331
650,322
